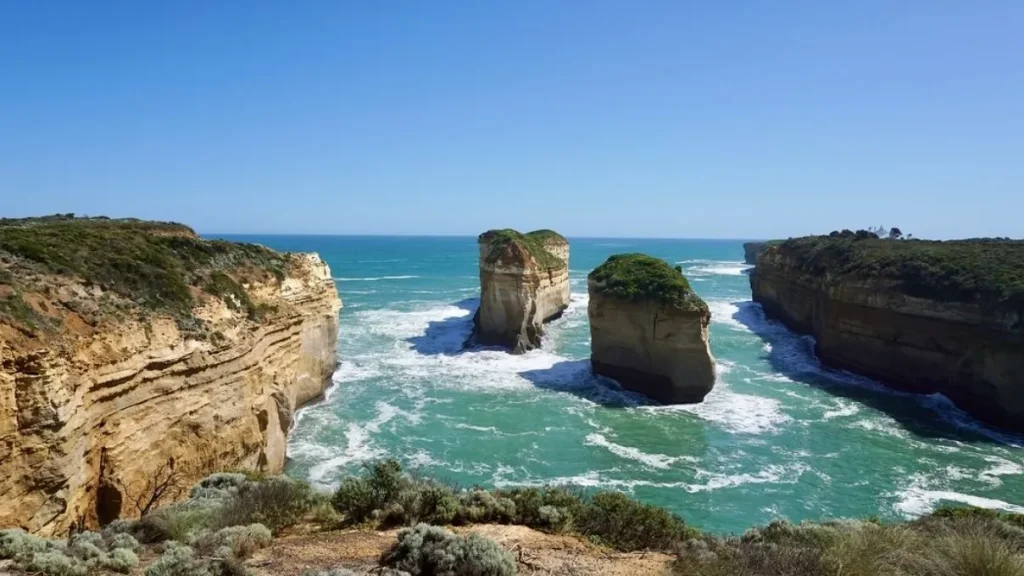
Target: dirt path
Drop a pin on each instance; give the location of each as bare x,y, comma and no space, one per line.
536,553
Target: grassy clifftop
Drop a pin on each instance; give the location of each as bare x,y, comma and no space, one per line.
986,271
532,243
643,277
161,267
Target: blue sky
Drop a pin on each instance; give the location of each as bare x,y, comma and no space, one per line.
597,118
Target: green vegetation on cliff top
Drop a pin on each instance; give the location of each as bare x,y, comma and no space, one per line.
985,271
532,242
156,265
643,277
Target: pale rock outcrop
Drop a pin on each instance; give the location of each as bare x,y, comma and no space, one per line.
524,282
648,345
85,424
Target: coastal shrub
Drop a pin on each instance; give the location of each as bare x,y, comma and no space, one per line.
177,522
121,560
122,541
422,501
156,265
237,541
178,560
275,502
359,497
219,486
560,506
617,520
532,242
432,551
54,563
643,277
482,507
973,552
982,270
16,542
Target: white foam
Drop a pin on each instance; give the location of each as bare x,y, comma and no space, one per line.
724,312
918,500
737,413
660,461
358,447
1000,467
374,278
842,409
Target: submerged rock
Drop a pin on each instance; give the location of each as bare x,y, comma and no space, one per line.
524,282
649,330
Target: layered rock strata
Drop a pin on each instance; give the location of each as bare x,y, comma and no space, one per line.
649,330
922,317
99,407
524,282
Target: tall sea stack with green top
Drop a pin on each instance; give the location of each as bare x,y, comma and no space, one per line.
649,329
524,282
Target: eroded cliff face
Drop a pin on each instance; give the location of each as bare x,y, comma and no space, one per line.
751,250
971,353
519,293
659,351
91,416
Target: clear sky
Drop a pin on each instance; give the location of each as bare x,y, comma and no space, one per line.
596,118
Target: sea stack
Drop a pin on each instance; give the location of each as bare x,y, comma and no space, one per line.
920,316
134,353
524,282
649,329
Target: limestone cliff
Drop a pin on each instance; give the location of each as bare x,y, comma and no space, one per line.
524,282
104,387
649,330
751,250
919,316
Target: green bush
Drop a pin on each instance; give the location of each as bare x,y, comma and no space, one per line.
54,563
643,277
275,502
176,522
238,541
432,551
121,560
178,560
623,523
481,507
986,271
359,498
16,542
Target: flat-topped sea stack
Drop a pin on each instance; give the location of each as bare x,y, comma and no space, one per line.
920,316
649,329
524,282
134,353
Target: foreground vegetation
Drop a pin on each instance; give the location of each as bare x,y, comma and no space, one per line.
987,271
643,277
158,266
229,516
532,242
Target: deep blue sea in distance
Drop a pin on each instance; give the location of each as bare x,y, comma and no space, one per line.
779,436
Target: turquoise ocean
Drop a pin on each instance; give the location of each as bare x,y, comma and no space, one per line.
779,436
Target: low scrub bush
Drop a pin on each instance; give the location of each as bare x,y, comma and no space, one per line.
329,572
178,560
432,551
617,520
83,553
277,503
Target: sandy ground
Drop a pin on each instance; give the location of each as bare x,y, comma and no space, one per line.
535,553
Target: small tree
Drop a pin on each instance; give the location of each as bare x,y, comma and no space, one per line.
895,234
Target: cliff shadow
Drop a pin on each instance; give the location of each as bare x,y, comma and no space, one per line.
447,336
576,377
931,416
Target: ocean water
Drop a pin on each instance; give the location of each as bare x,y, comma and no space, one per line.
779,436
